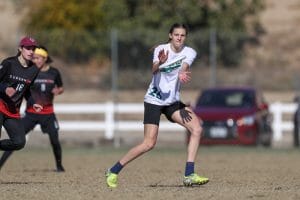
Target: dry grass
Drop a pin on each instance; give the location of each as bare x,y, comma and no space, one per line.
235,173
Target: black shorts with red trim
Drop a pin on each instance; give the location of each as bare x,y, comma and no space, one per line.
48,122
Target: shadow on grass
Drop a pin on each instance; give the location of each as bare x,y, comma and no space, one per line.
172,186
41,170
19,182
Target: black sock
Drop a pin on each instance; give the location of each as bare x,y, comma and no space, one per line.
189,168
116,168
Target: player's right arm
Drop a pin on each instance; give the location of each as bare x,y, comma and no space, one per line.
4,88
160,57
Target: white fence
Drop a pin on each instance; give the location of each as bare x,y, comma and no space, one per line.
278,109
109,125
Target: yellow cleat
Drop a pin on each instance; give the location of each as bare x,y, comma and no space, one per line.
111,179
194,179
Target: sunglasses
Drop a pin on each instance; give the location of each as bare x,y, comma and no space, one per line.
29,47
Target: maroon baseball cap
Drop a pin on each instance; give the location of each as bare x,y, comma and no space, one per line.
28,42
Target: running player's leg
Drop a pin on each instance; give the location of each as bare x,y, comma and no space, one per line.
151,124
187,118
4,157
28,125
16,134
150,137
6,154
56,147
193,126
49,125
28,122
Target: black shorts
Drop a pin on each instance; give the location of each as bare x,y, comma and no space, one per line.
47,122
152,112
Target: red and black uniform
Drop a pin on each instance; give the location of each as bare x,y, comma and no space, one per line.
14,74
41,93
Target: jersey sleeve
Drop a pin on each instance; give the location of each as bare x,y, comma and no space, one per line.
58,79
190,56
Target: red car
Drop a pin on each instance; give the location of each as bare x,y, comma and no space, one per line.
233,116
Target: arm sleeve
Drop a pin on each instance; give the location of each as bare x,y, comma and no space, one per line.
58,79
190,57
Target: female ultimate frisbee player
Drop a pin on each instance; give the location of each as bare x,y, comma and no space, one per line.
171,62
16,75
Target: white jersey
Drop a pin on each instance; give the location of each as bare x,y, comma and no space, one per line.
165,85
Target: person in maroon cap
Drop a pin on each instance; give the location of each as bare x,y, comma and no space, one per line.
16,75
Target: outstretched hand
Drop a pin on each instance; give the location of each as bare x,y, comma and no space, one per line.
184,76
185,115
163,56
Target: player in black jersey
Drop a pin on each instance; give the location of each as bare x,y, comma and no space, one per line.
47,84
16,75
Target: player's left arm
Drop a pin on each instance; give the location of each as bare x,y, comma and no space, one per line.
58,89
38,107
184,73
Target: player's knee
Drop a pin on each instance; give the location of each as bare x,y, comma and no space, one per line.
19,144
196,131
149,145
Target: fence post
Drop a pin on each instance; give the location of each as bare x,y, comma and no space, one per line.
109,121
277,121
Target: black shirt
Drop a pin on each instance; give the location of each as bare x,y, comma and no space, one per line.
14,74
41,89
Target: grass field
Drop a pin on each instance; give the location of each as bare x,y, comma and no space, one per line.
234,172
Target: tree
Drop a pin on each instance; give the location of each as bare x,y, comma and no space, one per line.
83,26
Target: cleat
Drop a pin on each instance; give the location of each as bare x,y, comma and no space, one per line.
194,179
111,179
60,168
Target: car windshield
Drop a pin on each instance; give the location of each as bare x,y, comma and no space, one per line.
226,98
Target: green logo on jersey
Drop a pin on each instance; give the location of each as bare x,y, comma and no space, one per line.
169,68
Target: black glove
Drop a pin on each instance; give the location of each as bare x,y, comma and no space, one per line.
185,115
